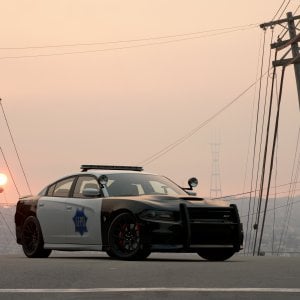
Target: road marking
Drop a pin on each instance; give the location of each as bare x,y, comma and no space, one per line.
155,289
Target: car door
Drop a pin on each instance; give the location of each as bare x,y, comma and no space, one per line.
51,211
83,214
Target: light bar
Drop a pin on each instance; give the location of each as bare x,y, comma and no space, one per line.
85,168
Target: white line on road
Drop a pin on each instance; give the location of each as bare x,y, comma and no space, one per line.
155,289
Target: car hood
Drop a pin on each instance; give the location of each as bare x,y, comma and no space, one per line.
172,202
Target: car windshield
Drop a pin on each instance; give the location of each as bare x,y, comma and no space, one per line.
126,184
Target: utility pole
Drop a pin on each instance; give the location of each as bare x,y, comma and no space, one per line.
292,42
284,62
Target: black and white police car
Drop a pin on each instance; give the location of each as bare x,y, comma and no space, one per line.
128,213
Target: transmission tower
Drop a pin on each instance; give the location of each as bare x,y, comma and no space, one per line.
215,179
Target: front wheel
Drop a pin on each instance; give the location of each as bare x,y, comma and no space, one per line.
32,239
125,238
216,254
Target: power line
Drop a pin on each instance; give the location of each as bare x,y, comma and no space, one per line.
266,143
280,9
179,141
255,139
15,147
292,190
285,29
241,27
246,193
6,223
275,180
275,137
288,3
297,9
277,207
11,175
122,47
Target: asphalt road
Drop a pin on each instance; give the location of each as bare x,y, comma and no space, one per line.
88,275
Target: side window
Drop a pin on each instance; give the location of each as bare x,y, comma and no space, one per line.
63,187
84,182
50,190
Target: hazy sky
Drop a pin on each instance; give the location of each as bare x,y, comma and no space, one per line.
121,106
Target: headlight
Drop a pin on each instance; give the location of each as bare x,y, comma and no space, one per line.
161,215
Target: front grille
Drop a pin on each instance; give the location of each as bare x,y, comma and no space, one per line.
212,225
211,215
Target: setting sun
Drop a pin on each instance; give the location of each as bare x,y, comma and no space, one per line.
3,179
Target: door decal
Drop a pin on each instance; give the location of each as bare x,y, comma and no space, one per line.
80,220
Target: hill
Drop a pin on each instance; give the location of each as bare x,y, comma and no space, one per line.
8,242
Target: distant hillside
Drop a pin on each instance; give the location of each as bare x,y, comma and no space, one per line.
8,242
273,230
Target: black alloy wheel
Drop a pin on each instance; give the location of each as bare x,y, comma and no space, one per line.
125,238
32,239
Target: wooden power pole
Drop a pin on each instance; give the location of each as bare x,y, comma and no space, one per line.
292,42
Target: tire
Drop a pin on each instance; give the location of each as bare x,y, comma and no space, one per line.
144,253
216,254
32,239
125,239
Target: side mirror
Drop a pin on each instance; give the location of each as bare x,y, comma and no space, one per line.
193,182
90,192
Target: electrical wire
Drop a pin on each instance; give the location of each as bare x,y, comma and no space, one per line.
283,2
292,186
241,27
11,175
275,137
277,207
297,9
120,48
286,30
275,180
292,196
6,223
246,193
288,3
255,138
260,150
15,147
179,141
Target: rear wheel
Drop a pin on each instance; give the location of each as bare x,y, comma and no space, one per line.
32,239
125,239
216,254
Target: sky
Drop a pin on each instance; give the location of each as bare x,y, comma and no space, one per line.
122,102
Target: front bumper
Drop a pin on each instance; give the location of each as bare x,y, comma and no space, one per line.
190,234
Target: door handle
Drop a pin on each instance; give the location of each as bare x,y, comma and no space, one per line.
41,204
68,207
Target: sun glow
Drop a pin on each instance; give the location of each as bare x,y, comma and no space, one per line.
3,179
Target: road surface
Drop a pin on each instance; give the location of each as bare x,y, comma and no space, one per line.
88,275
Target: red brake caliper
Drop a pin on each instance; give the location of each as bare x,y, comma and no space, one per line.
122,235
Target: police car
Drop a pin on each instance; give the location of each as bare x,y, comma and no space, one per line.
128,213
